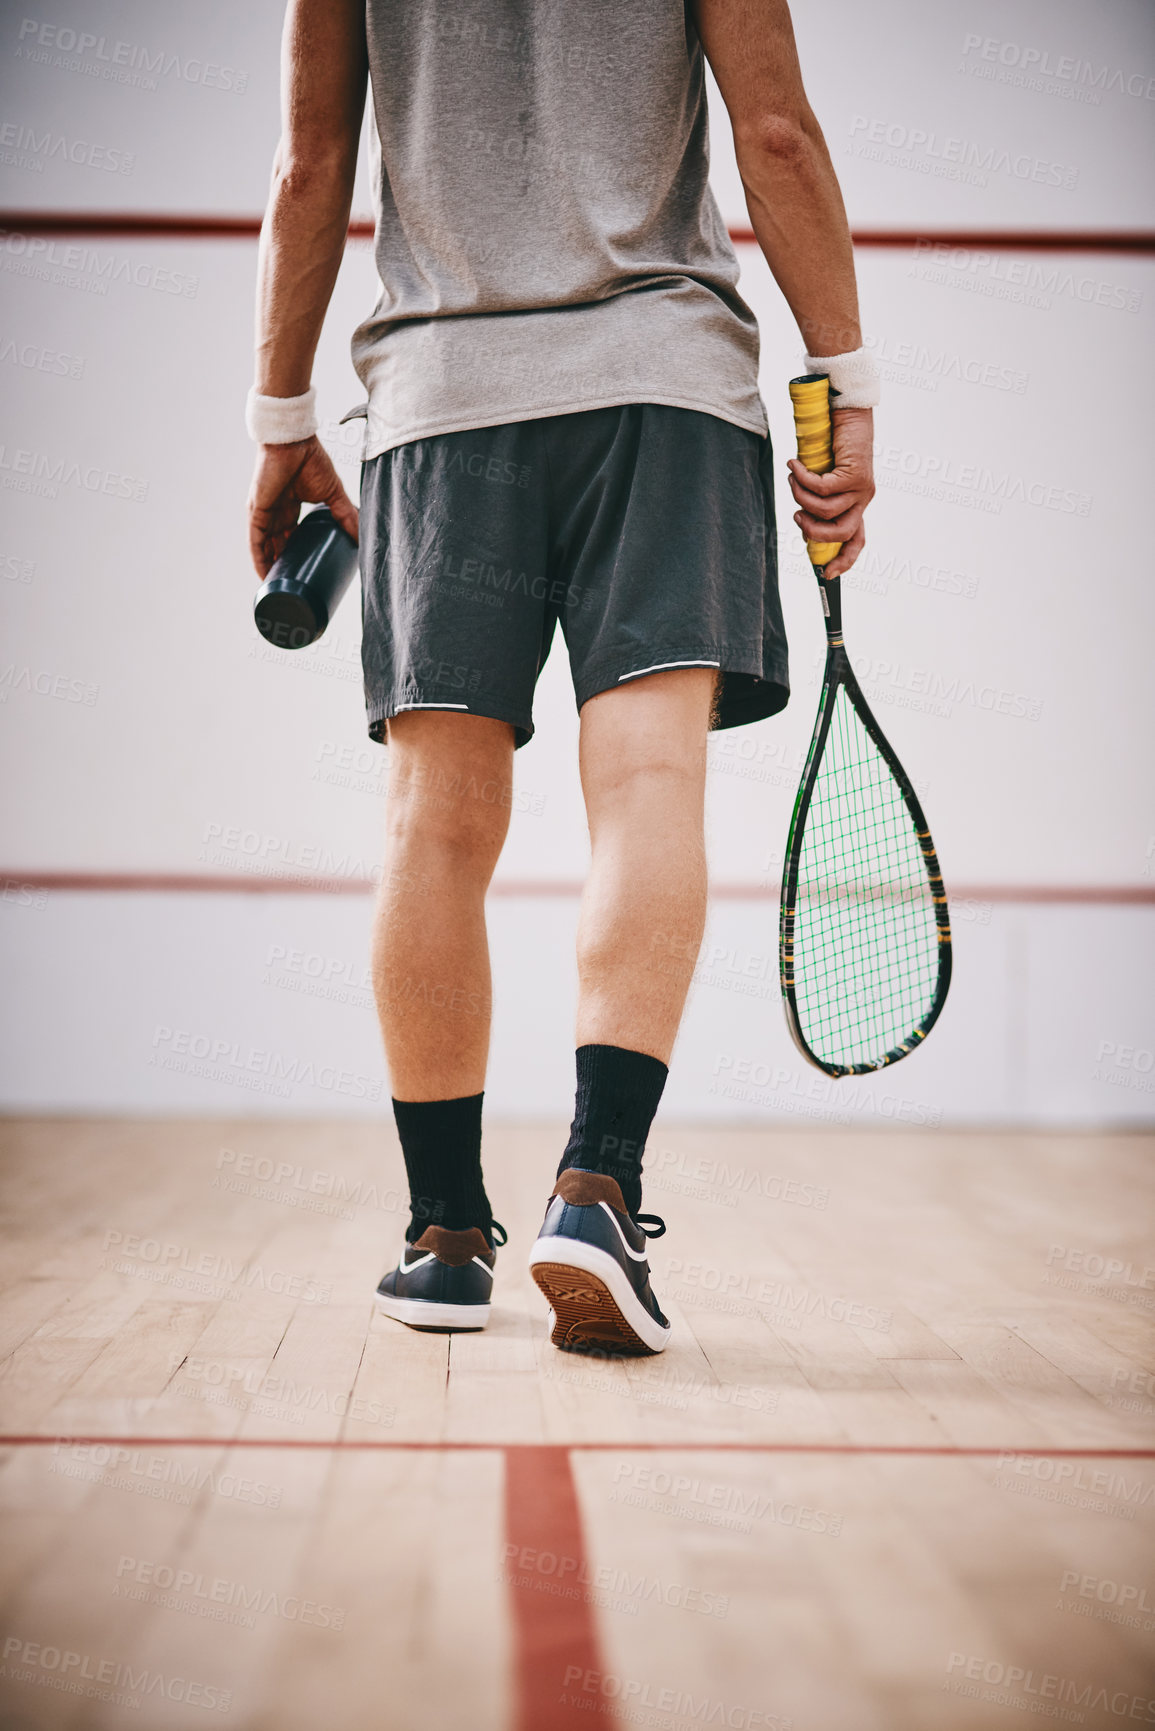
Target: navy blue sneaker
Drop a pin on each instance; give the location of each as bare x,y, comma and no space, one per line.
590,1261
443,1281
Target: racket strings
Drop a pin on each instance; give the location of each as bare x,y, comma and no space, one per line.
866,957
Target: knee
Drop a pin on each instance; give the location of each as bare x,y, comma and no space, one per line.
650,770
459,817
450,788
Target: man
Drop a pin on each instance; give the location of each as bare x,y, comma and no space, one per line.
563,426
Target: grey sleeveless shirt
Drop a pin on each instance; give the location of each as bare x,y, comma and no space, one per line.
547,240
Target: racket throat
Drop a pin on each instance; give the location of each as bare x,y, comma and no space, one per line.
830,589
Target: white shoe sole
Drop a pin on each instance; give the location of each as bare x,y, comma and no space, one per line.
423,1313
588,1259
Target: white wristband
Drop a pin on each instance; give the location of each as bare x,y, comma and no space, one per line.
853,378
280,420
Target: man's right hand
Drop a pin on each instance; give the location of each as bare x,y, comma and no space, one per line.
287,477
831,505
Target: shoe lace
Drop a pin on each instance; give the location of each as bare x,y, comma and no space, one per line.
494,1229
641,1221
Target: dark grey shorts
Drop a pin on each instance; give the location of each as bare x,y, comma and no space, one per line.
647,531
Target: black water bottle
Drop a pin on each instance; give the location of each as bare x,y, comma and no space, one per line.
304,588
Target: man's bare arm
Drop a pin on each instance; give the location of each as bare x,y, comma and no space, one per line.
324,67
797,213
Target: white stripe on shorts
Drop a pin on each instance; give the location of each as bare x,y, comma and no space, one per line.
402,706
660,666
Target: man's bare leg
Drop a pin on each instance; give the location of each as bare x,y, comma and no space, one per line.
643,768
643,764
447,815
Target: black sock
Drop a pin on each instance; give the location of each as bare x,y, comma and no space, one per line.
441,1142
617,1096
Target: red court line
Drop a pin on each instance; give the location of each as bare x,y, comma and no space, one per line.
163,225
518,1450
184,883
554,1627
995,239
230,883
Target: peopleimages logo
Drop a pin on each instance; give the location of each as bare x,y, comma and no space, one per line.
40,683
742,1180
1024,281
582,1687
1098,1267
27,471
21,146
157,1476
227,1060
249,850
739,1078
889,681
1105,1591
169,1262
1015,1681
35,358
928,152
995,487
1036,64
1073,1483
86,268
917,363
119,62
65,1669
209,1596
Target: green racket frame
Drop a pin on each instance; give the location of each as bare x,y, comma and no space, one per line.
812,412
840,675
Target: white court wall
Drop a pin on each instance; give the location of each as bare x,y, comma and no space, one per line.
1000,619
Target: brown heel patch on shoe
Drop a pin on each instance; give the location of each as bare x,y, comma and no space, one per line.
587,1189
586,1316
456,1249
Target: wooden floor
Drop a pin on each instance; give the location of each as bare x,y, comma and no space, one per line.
896,1471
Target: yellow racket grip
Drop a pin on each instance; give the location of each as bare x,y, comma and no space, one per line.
811,399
